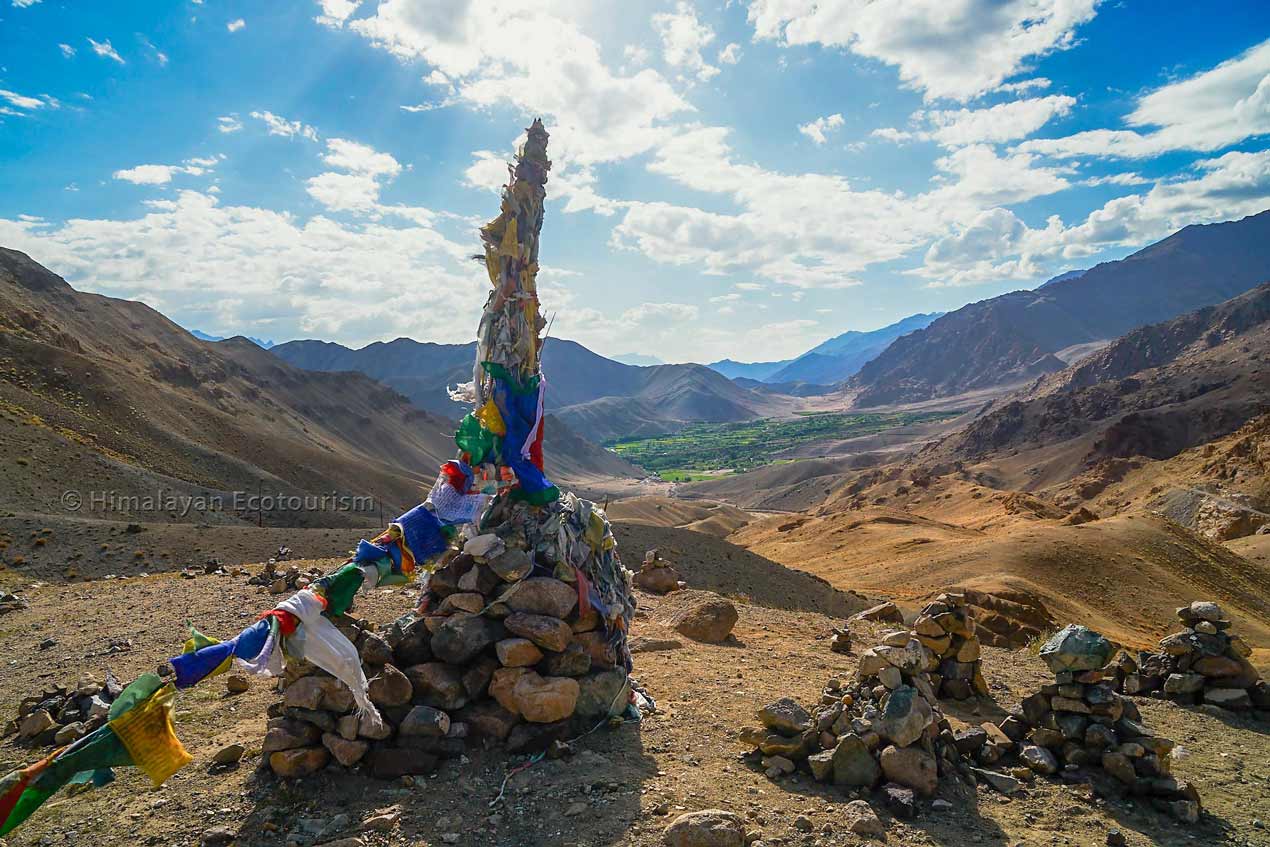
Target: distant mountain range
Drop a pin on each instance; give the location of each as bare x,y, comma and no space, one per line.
825,364
1017,336
109,396
596,397
259,342
639,359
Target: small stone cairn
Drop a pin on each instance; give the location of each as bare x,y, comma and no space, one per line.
1080,722
499,657
946,628
61,714
1204,663
657,576
885,727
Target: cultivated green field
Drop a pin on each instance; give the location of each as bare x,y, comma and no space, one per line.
685,455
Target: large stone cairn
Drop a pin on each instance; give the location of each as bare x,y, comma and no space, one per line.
1079,722
946,628
885,727
1204,663
501,656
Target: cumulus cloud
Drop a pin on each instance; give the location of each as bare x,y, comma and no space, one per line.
67,50
730,55
1206,112
235,25
819,129
997,245
281,126
228,123
597,114
956,49
336,12
994,125
105,50
362,171
683,37
248,268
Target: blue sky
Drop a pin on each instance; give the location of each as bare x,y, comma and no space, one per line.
735,180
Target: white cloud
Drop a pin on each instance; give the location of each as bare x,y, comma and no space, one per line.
267,272
818,129
162,174
106,50
356,190
730,54
683,37
67,50
335,12
281,126
999,123
636,54
23,4
1025,85
730,297
228,123
1206,112
1117,179
957,49
21,101
997,245
596,114
235,25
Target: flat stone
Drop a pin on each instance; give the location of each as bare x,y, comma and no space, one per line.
899,800
905,716
657,580
785,716
1183,683
542,595
1228,698
462,601
547,632
71,732
853,764
347,753
821,765
886,612
319,692
575,661
859,818
461,638
542,699
1002,782
488,719
1039,759
438,685
911,766
707,828
287,734
425,721
390,687
604,693
1076,648
229,755
512,565
518,652
35,724
298,762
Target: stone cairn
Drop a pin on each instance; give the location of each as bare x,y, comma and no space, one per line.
61,714
658,576
946,627
1079,722
885,727
499,657
1204,663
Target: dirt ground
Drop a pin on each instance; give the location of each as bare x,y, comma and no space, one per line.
623,785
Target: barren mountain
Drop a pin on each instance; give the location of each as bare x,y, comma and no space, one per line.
597,397
110,399
1154,392
1016,336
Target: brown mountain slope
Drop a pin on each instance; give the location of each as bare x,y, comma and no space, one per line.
110,399
1153,393
1009,338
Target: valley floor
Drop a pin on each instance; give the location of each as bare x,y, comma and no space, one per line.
623,785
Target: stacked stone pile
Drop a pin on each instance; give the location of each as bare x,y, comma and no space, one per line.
61,714
946,628
1079,722
657,575
885,727
500,656
1204,663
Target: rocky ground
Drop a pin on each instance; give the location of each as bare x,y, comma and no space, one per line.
623,785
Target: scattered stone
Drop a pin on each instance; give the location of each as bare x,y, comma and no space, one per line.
229,755
860,819
237,683
886,612
704,616
707,828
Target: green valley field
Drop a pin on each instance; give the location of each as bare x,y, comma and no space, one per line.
702,451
